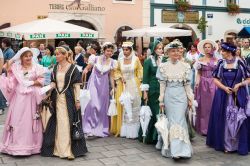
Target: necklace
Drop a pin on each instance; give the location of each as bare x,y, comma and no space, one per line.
230,61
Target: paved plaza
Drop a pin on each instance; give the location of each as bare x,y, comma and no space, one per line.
125,152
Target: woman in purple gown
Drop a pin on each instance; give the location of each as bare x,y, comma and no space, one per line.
231,77
95,119
204,86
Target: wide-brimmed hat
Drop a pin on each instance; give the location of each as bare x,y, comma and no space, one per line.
172,45
201,44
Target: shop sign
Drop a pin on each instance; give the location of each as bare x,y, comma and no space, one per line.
172,16
18,36
210,15
87,7
37,36
87,35
63,35
243,21
9,34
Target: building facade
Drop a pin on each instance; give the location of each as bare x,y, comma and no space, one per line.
108,17
220,23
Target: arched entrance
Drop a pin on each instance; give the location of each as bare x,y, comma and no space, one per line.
186,39
72,42
118,36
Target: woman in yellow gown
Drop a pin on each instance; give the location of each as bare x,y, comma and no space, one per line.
128,75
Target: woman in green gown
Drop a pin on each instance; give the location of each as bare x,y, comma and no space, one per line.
151,91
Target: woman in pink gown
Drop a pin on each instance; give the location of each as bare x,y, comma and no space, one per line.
22,134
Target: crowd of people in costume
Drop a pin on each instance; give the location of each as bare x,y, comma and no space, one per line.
163,98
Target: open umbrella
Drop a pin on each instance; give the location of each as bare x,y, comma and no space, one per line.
47,29
162,127
156,31
145,116
234,116
85,96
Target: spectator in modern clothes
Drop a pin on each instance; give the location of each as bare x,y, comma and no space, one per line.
245,50
8,52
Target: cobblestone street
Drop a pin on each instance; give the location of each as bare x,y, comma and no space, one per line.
120,151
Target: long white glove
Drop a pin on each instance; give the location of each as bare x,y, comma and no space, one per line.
45,89
28,83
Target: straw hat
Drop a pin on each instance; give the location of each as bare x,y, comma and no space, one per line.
201,44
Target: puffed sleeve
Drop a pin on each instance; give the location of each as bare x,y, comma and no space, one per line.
218,71
40,72
187,83
92,59
162,85
146,75
197,65
117,71
244,69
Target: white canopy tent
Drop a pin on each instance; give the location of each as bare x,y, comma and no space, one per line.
156,32
47,29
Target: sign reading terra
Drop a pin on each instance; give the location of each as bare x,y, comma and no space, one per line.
37,36
171,16
87,35
63,35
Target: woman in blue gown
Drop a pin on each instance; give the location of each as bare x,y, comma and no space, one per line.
231,77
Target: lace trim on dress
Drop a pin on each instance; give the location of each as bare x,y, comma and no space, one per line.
175,72
178,132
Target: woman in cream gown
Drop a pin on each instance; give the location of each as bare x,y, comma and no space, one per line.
128,77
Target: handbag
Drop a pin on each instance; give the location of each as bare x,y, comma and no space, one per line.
112,111
77,131
247,109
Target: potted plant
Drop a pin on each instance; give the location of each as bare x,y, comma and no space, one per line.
202,24
233,9
182,5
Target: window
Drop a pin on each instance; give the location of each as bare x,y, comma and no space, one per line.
124,1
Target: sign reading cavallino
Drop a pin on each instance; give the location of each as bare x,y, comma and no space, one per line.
171,16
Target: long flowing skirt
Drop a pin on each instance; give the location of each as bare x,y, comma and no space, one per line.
176,105
95,119
204,95
130,129
116,121
217,136
62,138
22,133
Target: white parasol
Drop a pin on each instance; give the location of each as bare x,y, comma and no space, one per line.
145,117
47,29
162,127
